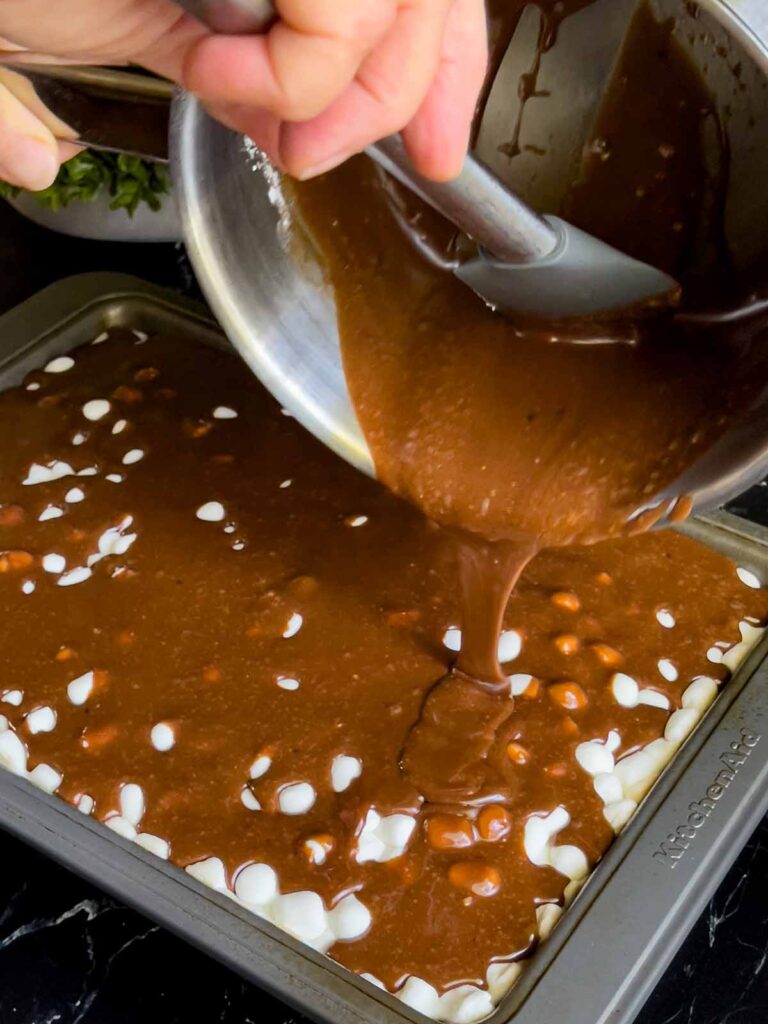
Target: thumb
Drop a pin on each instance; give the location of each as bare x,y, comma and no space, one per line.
29,152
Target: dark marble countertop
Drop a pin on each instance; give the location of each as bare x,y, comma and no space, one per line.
70,955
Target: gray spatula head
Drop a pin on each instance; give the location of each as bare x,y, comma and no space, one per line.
582,277
540,267
528,154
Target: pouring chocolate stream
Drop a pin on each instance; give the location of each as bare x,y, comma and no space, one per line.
522,436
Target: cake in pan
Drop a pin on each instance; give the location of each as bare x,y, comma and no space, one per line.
220,640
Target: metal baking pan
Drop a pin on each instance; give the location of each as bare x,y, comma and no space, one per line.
612,945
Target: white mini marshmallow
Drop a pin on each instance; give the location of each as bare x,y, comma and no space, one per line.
301,914
79,438
501,977
132,803
46,778
211,512
100,338
285,484
344,771
223,412
60,364
294,625
628,694
750,635
119,426
28,587
510,645
595,757
372,980
85,803
668,670
465,1004
54,563
33,386
617,815
452,639
77,575
256,884
570,861
654,699
88,471
119,824
316,852
639,770
73,495
700,693
55,470
79,690
96,409
114,541
748,578
680,724
133,456
160,847
260,766
349,919
539,833
383,839
115,478
665,619
296,798
356,521
13,752
715,655
625,690
249,800
14,697
608,787
50,512
162,737
42,719
287,683
210,872
420,996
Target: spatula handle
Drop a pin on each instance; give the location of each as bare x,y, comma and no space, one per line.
476,201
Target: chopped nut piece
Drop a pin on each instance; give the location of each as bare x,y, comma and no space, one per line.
449,832
15,561
566,600
517,753
479,879
568,695
494,823
567,644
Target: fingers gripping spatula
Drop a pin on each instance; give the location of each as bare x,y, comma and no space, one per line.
525,264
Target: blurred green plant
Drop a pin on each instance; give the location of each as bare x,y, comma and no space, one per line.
129,180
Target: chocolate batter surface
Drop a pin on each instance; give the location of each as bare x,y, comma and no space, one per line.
309,576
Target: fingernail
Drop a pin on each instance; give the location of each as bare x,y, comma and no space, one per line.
323,167
30,164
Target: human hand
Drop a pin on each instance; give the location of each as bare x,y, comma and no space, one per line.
329,78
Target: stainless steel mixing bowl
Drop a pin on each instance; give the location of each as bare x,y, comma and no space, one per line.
279,312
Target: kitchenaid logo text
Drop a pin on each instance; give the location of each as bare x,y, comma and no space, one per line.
673,848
